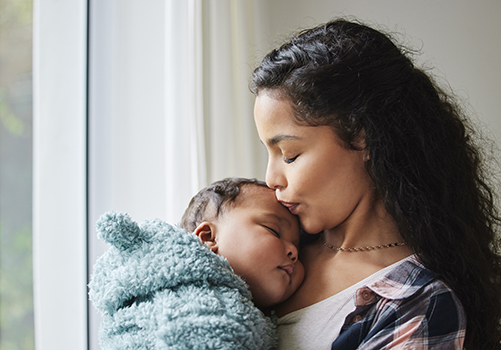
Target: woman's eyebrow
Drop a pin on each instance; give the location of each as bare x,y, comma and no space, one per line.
281,137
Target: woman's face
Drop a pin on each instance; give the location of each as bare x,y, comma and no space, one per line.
318,179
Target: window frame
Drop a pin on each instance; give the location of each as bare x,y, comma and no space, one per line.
60,49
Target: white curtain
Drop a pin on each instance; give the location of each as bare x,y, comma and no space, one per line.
211,49
185,136
170,108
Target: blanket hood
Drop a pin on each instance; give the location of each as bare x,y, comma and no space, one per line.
149,257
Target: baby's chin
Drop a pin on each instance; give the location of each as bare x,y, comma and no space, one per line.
278,294
270,301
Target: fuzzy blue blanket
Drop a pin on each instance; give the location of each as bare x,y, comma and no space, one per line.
159,287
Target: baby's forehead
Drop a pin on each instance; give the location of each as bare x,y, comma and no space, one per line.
248,195
251,192
264,198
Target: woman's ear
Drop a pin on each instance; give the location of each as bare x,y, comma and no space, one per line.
359,141
206,231
360,144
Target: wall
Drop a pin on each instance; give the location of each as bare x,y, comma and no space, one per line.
461,39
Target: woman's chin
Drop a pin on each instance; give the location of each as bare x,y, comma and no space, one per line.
310,228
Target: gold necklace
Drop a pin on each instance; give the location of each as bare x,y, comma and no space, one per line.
362,249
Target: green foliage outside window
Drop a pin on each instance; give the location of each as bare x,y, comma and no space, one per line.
16,275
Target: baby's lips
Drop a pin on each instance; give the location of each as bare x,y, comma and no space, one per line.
288,268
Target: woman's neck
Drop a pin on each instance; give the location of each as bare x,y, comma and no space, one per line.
368,225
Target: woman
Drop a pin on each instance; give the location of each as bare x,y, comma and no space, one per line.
379,163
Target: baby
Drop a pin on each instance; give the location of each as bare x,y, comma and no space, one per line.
159,287
241,220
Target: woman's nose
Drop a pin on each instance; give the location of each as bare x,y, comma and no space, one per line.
274,178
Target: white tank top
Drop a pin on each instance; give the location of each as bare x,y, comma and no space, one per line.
316,326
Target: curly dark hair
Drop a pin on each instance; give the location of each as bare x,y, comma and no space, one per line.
211,201
423,159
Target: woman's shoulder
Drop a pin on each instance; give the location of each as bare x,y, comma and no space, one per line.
405,279
409,305
412,292
411,282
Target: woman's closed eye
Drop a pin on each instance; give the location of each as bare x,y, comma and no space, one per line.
289,160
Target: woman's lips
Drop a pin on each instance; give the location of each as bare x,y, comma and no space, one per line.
291,206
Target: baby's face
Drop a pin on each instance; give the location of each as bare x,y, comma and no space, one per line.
260,239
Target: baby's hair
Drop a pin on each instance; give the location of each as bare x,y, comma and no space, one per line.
210,202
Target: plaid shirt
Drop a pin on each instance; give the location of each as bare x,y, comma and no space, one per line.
409,308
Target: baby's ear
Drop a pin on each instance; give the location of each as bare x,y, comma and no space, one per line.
206,231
